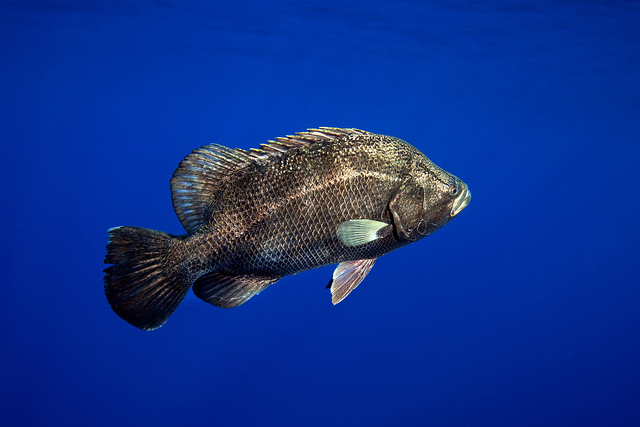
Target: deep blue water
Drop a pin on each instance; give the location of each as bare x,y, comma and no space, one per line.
524,310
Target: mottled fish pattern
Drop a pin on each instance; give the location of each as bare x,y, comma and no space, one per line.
324,196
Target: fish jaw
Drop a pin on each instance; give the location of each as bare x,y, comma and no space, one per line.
461,201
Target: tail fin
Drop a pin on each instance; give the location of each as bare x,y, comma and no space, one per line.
142,285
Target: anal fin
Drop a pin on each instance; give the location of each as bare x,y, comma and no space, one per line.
227,289
347,276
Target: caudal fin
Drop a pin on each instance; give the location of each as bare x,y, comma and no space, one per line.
142,286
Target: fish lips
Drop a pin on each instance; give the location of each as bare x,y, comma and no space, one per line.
461,201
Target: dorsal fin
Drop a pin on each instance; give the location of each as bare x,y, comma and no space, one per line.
197,180
202,174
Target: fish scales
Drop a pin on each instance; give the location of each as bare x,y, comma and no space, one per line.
277,205
326,196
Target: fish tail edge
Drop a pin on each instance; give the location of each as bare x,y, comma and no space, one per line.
141,285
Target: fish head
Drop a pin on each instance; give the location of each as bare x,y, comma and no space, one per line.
429,199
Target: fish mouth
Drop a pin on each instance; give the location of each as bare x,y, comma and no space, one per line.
461,201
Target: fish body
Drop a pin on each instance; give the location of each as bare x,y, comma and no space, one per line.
319,197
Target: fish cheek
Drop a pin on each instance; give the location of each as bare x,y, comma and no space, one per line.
406,208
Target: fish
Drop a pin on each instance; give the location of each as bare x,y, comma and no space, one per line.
319,197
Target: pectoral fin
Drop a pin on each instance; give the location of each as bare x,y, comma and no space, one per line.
357,232
347,276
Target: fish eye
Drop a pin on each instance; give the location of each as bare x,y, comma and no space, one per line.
453,191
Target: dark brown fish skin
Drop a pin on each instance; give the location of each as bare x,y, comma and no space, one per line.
279,217
276,213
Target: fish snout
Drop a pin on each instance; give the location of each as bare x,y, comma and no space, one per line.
461,201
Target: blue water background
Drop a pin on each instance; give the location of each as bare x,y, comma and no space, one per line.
523,311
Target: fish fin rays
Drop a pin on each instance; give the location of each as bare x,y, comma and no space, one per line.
139,286
358,232
199,178
347,276
228,290
202,175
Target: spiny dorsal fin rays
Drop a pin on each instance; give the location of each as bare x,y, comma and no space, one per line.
203,172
